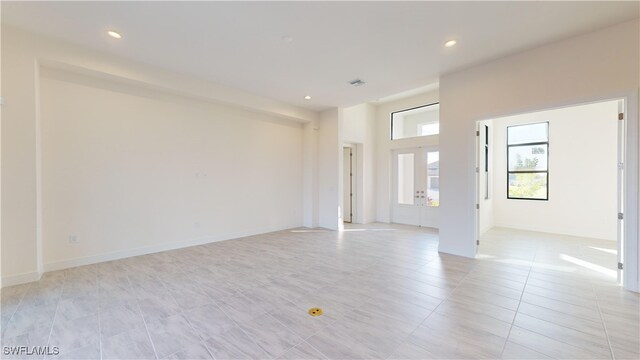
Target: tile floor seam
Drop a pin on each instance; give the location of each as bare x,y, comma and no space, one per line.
492,316
504,345
304,339
470,298
565,326
526,347
17,308
293,332
315,348
248,335
55,313
153,346
198,285
227,315
549,337
99,327
239,328
431,313
550,298
496,294
545,335
560,325
604,324
554,339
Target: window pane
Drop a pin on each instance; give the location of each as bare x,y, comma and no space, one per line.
422,121
429,129
405,179
433,178
528,185
528,158
521,134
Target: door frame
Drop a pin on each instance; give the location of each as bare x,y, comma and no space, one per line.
629,193
394,177
357,205
351,183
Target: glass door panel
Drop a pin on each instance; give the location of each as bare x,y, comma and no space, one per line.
416,187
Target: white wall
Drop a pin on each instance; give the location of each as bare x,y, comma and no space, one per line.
359,129
594,66
354,123
369,172
330,169
310,174
385,146
582,173
19,160
22,182
125,169
1,156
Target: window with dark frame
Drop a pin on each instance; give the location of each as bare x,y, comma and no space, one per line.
418,121
528,161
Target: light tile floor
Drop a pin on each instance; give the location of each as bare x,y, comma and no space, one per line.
385,290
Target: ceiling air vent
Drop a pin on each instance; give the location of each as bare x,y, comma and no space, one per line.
357,82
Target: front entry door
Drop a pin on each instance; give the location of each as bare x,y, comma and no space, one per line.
416,187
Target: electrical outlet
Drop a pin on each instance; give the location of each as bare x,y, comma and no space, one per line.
196,225
73,239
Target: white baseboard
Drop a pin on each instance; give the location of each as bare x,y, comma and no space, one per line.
116,255
20,279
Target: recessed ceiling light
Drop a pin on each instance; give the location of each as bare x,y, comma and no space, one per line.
450,43
114,34
307,97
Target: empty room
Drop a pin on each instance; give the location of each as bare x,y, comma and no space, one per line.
319,180
539,174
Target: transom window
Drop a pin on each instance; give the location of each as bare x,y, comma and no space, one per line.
419,121
527,161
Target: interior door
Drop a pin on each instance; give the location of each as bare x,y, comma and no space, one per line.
347,183
620,183
416,185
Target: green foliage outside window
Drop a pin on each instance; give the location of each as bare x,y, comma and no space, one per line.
526,185
527,164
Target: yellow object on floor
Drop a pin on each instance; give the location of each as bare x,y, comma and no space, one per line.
315,311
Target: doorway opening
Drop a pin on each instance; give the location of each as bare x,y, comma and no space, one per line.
550,189
416,186
349,183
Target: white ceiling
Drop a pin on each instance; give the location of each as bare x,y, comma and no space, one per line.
393,46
